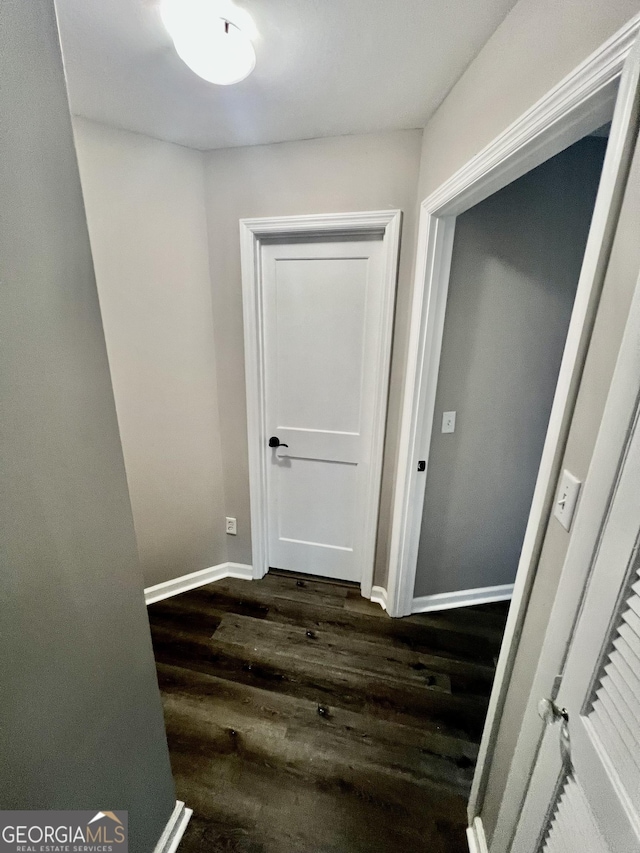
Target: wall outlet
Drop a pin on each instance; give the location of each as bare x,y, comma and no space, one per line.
448,422
231,526
566,499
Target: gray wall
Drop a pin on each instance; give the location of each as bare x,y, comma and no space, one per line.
330,175
515,268
147,223
537,44
620,281
80,717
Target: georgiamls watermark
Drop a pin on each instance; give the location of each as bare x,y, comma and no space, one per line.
63,832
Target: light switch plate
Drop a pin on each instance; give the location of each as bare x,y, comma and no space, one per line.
566,499
448,422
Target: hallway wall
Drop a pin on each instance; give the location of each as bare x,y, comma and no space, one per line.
533,49
329,175
147,223
81,723
168,276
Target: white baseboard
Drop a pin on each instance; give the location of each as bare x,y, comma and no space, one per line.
462,598
174,830
196,579
379,596
476,837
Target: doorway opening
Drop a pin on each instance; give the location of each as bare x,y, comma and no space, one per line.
515,267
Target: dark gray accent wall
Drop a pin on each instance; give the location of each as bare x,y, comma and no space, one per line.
515,268
80,716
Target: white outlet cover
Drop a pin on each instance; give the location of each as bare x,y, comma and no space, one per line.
231,526
448,422
566,499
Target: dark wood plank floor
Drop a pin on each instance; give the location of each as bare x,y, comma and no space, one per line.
302,719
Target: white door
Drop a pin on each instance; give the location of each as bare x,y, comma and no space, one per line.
324,314
584,794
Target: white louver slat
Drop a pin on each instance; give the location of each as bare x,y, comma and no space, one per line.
620,680
615,710
573,828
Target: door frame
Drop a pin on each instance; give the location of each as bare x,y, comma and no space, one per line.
618,430
573,108
384,224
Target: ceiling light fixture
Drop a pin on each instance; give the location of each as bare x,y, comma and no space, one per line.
212,37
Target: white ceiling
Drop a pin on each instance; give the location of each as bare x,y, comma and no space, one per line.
324,68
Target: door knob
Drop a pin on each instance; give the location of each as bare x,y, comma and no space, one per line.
274,441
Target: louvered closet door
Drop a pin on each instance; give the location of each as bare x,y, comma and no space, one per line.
592,783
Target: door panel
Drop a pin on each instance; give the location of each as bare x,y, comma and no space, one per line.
318,329
323,308
317,502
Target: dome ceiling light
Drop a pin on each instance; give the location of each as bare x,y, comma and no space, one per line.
212,37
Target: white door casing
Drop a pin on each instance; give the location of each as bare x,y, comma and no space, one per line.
602,485
318,296
592,781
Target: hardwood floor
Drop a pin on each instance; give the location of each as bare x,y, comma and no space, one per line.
302,719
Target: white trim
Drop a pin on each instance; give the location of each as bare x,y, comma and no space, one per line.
620,150
621,413
462,598
174,830
578,104
195,579
379,596
384,223
619,422
476,838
